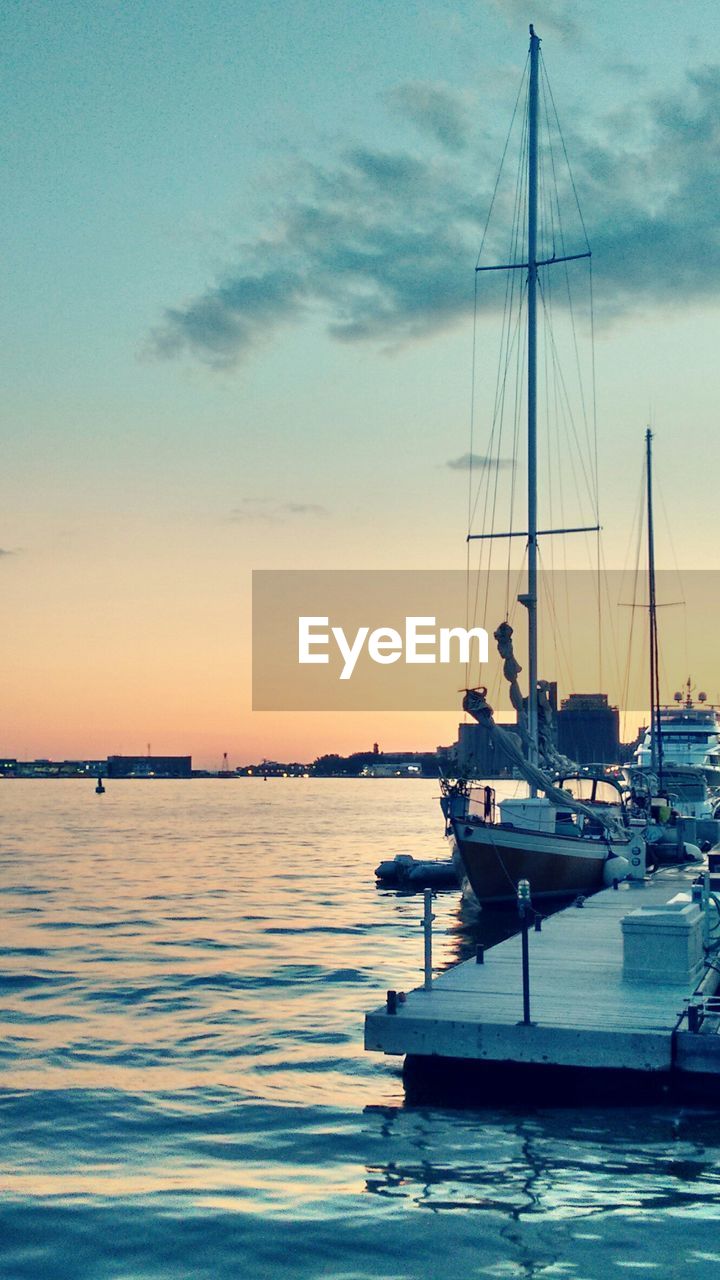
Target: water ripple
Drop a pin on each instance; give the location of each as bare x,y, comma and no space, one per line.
184,973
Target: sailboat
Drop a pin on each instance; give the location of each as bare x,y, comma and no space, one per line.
684,737
679,755
576,835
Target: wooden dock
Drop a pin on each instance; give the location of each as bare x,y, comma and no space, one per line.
587,1016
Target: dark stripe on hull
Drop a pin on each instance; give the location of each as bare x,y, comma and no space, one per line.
494,872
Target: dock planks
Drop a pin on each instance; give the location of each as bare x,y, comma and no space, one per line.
584,1013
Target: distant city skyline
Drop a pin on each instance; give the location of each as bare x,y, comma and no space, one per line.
238,263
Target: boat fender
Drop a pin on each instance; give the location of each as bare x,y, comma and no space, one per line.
692,853
615,868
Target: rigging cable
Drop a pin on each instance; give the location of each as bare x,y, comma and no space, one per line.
509,347
637,522
681,591
523,80
593,445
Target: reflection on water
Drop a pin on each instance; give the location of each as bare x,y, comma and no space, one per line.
557,1164
185,970
473,927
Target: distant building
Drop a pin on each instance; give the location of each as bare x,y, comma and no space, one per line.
475,755
589,729
54,769
388,769
149,766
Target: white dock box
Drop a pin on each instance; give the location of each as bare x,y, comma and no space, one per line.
664,944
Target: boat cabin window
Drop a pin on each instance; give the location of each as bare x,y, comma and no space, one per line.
685,788
591,790
698,737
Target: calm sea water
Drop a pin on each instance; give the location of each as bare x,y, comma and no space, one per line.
184,1093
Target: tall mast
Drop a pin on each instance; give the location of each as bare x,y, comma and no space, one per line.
656,753
529,598
531,601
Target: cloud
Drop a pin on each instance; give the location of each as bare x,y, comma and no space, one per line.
5,551
225,321
435,109
379,245
272,510
556,16
653,186
367,243
627,69
477,462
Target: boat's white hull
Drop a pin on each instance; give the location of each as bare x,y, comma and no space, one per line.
495,858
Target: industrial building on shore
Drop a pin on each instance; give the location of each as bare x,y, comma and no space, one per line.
112,767
586,727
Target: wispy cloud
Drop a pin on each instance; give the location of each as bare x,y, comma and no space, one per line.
435,109
380,244
7,551
223,322
368,244
653,186
272,510
477,462
557,16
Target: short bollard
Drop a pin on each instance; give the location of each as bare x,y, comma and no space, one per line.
427,920
392,1001
480,954
694,1018
524,909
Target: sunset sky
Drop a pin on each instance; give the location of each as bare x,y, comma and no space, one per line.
237,279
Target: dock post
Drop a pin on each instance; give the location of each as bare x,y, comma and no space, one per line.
427,920
524,907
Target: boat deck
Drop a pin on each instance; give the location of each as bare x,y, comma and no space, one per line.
584,1012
